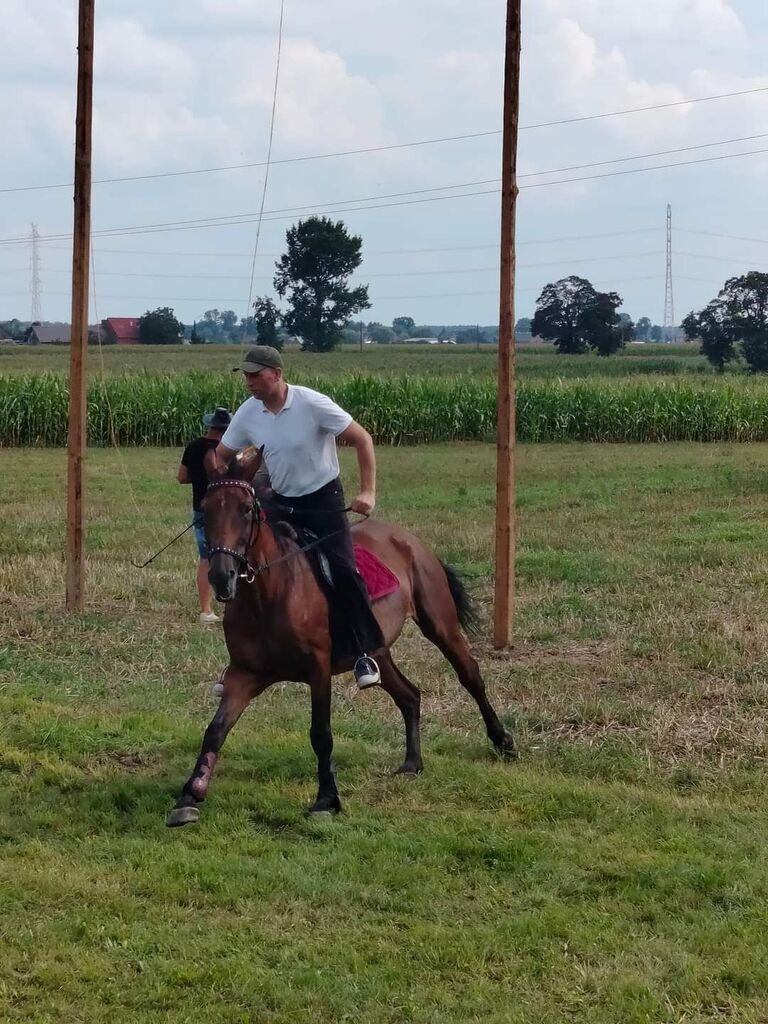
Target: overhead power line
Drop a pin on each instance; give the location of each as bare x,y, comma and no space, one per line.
699,280
374,298
715,259
645,156
494,268
371,252
276,214
393,146
716,234
641,170
231,220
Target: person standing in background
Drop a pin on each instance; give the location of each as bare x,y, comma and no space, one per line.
196,468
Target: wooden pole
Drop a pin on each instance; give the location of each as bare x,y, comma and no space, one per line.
504,604
76,439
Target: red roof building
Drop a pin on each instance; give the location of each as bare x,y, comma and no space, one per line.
121,330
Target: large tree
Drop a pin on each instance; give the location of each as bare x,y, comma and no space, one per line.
403,324
266,317
380,334
576,317
642,328
707,327
735,322
314,275
746,311
160,327
228,321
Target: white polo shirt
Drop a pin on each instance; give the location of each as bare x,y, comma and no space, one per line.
299,441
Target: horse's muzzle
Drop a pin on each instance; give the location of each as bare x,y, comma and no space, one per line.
222,575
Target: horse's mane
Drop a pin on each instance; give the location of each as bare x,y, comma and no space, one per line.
285,536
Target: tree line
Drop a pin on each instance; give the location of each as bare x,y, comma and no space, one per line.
312,278
734,326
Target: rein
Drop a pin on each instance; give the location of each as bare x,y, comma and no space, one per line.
143,565
258,515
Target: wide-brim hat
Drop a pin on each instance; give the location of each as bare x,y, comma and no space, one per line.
220,418
261,357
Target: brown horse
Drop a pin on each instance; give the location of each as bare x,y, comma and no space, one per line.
276,625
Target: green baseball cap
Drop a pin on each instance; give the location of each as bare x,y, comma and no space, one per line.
260,358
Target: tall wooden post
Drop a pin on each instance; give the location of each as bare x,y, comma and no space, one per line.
504,604
76,439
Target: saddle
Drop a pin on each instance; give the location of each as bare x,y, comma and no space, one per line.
379,579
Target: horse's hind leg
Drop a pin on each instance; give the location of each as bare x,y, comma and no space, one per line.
408,699
239,688
449,639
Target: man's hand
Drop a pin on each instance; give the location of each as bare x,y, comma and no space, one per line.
364,503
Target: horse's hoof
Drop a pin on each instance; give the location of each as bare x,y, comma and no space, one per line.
182,816
324,808
507,748
411,768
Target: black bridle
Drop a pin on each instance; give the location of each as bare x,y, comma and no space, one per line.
250,572
258,515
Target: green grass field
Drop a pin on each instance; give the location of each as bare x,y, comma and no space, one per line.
617,873
534,361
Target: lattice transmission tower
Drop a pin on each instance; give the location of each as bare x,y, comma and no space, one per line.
36,312
669,301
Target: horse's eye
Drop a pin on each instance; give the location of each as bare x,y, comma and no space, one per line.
246,512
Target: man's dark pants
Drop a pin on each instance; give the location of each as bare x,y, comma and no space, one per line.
323,513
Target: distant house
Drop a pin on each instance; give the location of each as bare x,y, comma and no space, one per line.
121,330
48,334
59,334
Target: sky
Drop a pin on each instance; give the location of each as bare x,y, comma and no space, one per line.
188,84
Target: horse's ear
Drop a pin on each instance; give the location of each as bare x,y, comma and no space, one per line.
245,465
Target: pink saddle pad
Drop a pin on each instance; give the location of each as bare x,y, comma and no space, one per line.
379,579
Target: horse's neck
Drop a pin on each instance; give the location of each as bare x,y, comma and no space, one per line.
279,572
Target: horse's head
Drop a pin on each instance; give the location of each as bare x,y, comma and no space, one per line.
233,518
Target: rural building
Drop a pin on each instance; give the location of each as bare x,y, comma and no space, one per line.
48,334
120,330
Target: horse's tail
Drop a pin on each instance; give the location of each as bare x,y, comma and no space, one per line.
465,607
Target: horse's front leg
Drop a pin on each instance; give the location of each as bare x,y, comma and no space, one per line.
239,688
320,734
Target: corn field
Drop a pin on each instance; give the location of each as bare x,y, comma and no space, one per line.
153,409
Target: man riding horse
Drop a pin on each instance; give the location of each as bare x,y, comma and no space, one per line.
296,429
278,611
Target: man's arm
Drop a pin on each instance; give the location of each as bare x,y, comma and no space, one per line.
183,475
362,442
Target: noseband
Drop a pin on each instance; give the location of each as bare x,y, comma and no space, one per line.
249,572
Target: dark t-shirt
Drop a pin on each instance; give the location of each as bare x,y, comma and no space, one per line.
192,458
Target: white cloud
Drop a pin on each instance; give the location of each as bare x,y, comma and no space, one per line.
582,79
670,21
188,83
40,35
321,105
134,130
126,54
